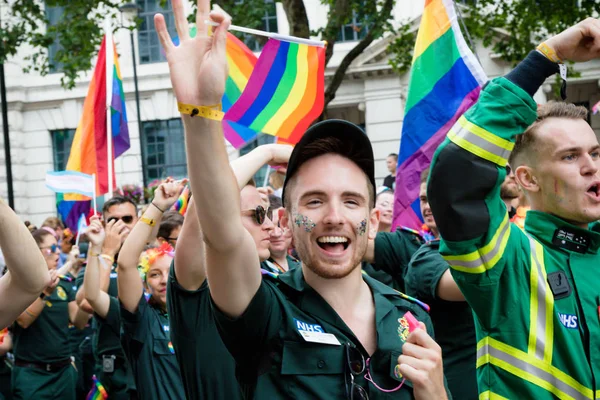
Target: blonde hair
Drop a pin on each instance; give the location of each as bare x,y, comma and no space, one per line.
526,142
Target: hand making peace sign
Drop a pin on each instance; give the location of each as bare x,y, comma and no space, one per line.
198,66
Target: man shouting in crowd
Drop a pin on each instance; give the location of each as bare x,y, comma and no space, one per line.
535,293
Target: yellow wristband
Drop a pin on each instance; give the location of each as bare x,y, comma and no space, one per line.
548,52
92,254
108,258
208,112
148,221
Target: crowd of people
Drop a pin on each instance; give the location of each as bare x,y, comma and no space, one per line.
304,290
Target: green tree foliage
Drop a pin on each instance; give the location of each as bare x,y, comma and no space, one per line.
79,32
510,28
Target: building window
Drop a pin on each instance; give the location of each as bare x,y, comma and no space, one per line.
165,149
269,24
61,147
259,177
148,43
354,30
54,15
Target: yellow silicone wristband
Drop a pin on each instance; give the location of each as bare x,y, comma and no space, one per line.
208,112
548,52
148,221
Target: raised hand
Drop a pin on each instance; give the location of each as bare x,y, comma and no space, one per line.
115,235
421,363
53,282
198,66
95,231
280,155
167,193
580,42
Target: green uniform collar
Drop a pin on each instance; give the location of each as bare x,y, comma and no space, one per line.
545,227
312,303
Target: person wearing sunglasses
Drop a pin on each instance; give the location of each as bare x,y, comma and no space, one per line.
170,227
43,356
207,368
119,215
146,324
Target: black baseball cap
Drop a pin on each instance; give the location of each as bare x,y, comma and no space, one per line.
356,146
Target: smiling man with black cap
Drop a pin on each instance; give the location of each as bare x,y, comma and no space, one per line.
323,330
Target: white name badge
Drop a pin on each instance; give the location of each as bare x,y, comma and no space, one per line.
320,337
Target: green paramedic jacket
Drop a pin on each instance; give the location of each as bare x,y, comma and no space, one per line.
535,303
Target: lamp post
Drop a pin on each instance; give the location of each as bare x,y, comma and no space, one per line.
7,156
132,9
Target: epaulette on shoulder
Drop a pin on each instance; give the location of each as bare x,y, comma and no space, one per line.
413,300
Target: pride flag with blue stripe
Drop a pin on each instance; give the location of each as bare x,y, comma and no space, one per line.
445,81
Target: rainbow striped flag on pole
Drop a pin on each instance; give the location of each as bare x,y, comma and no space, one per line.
445,81
284,95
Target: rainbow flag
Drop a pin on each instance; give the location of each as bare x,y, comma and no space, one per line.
445,81
98,392
241,63
284,95
89,151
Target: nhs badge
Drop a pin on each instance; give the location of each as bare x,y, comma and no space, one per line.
305,326
568,320
165,328
315,333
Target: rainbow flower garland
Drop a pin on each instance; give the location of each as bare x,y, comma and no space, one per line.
149,257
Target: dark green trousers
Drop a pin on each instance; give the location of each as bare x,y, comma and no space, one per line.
37,384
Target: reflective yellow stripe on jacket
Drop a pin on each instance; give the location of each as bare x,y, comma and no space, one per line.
531,369
480,142
483,259
487,395
541,307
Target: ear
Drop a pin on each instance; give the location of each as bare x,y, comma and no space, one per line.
526,177
374,223
285,219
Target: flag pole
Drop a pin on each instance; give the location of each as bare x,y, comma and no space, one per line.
109,82
272,35
94,197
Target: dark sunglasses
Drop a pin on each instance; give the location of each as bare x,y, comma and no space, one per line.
355,365
125,218
52,248
259,214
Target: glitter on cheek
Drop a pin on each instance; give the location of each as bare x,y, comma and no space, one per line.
362,227
303,221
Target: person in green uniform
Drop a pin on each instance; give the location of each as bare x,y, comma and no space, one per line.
428,278
27,272
146,327
43,365
535,293
207,368
322,330
119,215
114,372
279,260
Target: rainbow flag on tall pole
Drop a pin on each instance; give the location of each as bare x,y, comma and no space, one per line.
445,81
102,133
284,95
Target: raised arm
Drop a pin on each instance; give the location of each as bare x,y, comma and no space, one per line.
98,299
34,310
190,255
27,271
198,69
130,284
246,166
